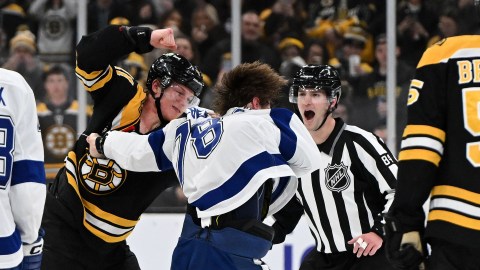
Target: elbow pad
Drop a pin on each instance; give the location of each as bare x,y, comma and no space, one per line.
139,37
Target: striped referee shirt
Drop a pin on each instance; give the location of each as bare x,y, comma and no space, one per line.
346,197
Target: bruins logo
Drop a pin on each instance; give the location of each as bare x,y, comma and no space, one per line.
336,177
59,139
100,176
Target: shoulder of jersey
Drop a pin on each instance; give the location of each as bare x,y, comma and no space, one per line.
452,47
14,79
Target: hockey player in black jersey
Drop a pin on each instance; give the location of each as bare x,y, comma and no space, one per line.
344,199
440,158
93,204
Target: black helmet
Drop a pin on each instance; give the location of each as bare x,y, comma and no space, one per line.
319,77
174,67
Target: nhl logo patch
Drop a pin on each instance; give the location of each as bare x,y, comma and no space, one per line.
336,177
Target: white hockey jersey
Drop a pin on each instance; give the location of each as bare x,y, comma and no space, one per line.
222,162
22,175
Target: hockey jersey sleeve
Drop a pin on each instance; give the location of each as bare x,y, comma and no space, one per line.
28,190
379,167
423,138
296,144
110,87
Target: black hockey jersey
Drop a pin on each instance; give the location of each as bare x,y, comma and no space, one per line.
440,151
59,133
105,199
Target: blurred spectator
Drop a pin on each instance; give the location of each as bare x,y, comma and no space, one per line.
316,52
349,62
416,21
55,36
217,59
448,26
186,47
172,19
100,12
12,15
329,20
58,119
4,53
283,18
468,19
369,99
290,49
134,64
206,28
24,60
144,13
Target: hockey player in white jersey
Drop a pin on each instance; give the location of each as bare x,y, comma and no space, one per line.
22,175
234,170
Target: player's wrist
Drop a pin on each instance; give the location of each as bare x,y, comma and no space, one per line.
139,36
99,143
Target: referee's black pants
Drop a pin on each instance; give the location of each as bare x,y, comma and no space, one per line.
345,261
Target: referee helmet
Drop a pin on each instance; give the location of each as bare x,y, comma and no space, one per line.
316,78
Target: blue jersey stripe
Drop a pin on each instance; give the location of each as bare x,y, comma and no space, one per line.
10,244
28,171
282,184
239,180
282,118
156,140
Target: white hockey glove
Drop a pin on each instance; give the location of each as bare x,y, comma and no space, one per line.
32,253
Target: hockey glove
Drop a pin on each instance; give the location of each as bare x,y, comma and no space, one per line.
32,253
404,250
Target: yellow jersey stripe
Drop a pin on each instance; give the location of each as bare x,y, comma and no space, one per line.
420,154
93,81
124,74
424,130
106,237
454,218
456,192
107,216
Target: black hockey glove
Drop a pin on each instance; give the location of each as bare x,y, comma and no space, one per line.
404,250
139,37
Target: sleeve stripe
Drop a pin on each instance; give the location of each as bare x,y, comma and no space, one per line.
10,244
424,130
94,81
123,73
454,218
282,119
423,142
28,171
420,154
108,216
453,205
456,192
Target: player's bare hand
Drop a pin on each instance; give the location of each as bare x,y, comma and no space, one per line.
163,38
366,244
93,148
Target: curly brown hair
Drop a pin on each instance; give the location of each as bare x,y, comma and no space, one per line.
246,81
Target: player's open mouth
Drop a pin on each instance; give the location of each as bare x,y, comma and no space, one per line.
308,115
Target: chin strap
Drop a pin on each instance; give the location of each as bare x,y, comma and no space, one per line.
330,110
159,111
